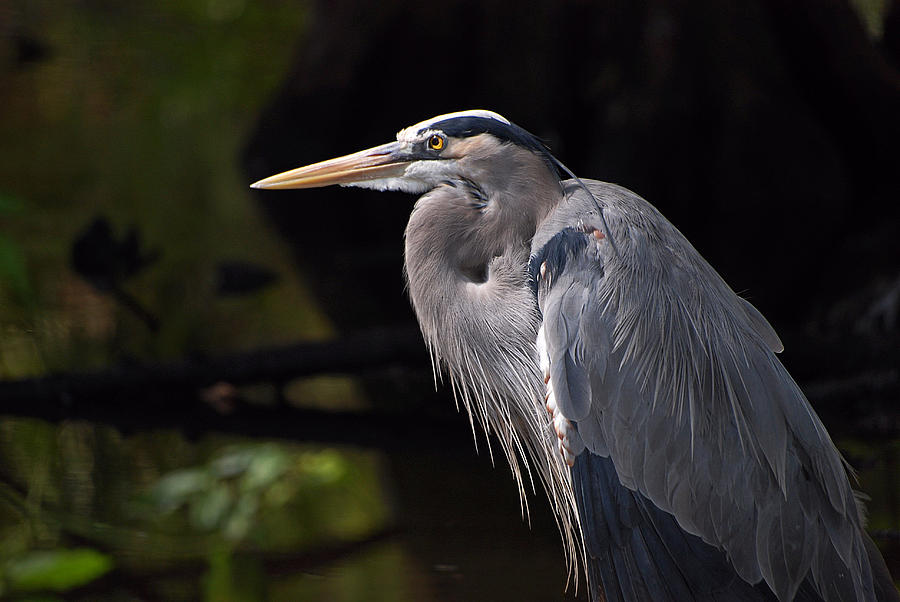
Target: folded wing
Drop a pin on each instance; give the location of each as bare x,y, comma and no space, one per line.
671,376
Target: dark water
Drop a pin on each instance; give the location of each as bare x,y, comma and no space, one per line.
320,523
133,118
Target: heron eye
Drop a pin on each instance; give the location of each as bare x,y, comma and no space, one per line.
436,142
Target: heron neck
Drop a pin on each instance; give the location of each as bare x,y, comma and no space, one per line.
473,327
483,333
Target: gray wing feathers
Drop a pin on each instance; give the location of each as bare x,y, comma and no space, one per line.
762,327
566,350
673,376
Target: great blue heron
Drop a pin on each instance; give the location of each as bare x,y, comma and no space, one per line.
680,458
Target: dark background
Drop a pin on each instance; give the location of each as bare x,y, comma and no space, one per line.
157,314
766,131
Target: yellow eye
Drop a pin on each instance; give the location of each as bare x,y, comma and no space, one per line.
435,142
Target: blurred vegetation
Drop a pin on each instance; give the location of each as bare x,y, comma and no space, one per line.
183,520
134,114
244,488
872,14
137,115
55,570
13,270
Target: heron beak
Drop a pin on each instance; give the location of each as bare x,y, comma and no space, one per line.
385,161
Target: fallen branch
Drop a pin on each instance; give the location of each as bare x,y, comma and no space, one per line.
372,349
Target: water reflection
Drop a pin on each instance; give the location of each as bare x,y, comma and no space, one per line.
225,519
232,519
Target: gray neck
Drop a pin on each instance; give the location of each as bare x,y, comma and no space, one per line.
483,334
471,326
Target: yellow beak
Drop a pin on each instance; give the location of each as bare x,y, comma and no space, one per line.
385,161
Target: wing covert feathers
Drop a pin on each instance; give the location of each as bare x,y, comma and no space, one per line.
706,456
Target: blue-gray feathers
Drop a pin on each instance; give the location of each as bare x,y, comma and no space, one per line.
706,474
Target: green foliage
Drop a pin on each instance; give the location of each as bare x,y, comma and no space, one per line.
10,204
13,268
232,493
272,495
140,115
13,273
208,512
226,494
873,14
55,570
143,125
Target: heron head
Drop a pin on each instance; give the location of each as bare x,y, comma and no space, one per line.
478,146
485,182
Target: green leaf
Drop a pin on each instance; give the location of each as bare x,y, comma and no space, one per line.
208,510
242,518
232,463
325,467
267,466
13,269
10,204
174,489
56,570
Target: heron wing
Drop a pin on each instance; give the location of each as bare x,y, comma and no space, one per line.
640,552
673,377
